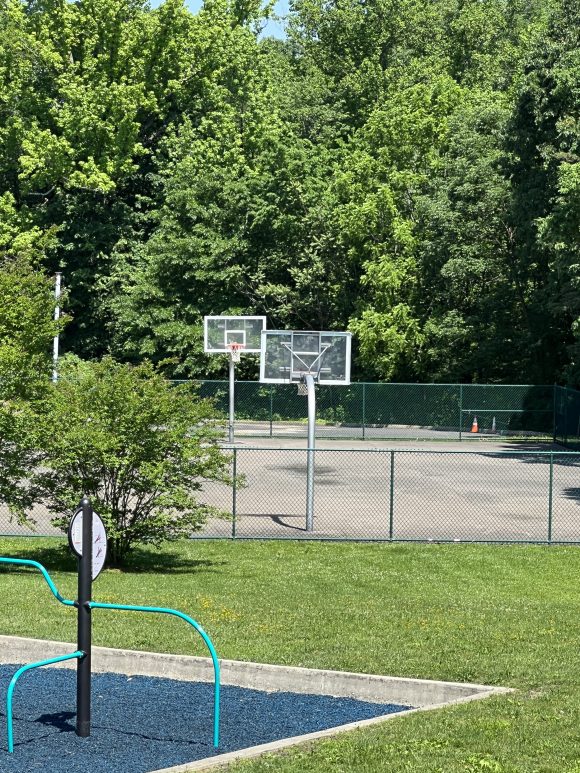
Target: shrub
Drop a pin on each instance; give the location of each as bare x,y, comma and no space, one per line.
137,446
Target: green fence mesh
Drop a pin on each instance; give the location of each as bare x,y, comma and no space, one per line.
527,494
389,411
567,416
398,494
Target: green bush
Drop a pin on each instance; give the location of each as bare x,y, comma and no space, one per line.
27,328
137,446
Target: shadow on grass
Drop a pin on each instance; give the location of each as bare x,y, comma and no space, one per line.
58,558
165,560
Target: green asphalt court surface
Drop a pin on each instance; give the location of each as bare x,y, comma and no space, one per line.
505,615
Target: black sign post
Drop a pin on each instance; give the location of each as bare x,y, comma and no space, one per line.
85,581
88,540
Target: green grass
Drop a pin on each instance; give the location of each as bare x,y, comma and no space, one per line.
504,615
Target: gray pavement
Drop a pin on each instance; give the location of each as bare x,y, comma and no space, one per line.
286,429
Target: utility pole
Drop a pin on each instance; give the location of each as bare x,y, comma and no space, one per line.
56,318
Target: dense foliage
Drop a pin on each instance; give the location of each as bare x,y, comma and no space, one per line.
406,169
138,447
27,329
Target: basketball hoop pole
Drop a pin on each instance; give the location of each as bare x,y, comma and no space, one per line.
311,392
231,414
305,357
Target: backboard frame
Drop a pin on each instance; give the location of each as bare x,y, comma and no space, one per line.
235,330
296,367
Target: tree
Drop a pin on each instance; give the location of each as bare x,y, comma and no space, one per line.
27,329
545,143
393,157
137,446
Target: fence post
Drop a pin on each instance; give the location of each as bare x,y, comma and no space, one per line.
392,497
234,492
554,411
460,409
550,497
565,434
364,405
271,406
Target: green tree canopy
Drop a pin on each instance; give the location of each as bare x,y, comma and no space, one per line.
406,168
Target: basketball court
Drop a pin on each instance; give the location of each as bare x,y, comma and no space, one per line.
325,482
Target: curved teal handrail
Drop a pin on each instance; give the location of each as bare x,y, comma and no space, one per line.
45,574
122,607
204,636
16,677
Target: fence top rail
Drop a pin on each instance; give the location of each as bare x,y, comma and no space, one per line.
375,383
387,450
508,410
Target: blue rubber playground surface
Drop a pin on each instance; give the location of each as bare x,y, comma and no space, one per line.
141,723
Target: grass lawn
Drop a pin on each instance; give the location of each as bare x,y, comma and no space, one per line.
504,615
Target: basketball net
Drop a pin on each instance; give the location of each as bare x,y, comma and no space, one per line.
235,351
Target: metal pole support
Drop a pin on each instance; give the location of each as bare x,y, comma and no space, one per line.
311,393
85,580
392,497
57,293
232,403
550,497
234,492
460,410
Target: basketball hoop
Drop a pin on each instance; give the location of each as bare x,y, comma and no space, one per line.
302,387
235,351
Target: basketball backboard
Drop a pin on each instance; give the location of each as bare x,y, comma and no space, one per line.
219,333
288,355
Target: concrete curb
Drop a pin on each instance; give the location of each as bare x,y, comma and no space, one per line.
423,694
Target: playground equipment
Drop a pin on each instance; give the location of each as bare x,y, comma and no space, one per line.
86,528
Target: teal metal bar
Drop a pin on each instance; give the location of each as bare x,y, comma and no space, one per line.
16,677
45,574
550,497
202,633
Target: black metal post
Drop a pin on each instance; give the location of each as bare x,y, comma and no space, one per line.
85,581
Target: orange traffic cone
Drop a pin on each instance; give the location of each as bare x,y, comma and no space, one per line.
474,427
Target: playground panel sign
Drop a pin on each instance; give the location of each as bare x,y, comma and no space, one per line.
75,539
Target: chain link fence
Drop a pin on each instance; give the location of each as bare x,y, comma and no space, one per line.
567,416
391,494
395,494
479,496
391,411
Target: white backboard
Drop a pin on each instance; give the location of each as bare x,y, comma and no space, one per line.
289,354
221,331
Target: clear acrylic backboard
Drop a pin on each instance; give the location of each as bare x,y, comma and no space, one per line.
220,332
288,355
